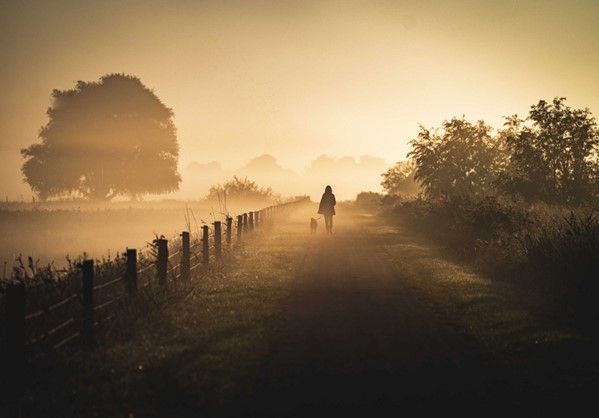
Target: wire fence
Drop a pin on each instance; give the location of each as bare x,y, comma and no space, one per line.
41,319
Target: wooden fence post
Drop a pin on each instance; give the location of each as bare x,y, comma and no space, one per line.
15,330
251,221
245,222
185,256
229,226
131,273
217,240
162,262
239,227
205,245
87,331
257,218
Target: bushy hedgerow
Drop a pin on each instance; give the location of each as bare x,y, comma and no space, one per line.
555,252
466,225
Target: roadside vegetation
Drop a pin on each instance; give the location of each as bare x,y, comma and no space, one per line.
504,321
189,347
517,204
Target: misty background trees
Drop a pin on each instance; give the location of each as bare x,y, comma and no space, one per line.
103,139
348,176
114,137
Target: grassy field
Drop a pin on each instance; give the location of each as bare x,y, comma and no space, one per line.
192,346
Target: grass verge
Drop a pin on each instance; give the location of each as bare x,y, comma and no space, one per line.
189,350
505,320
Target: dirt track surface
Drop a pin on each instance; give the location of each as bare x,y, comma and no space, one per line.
359,341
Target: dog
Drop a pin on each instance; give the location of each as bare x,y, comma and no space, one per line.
313,225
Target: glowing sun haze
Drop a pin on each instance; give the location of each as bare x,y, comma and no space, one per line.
297,79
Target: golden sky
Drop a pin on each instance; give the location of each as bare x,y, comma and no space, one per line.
297,79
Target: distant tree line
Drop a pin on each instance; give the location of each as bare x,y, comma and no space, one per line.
551,156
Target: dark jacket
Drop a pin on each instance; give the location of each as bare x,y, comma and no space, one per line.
327,204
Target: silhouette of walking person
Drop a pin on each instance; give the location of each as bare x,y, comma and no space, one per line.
327,208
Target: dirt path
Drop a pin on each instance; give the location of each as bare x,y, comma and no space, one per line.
358,339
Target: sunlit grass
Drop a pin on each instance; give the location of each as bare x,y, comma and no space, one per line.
498,315
195,347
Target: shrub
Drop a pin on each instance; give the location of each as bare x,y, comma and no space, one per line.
369,199
557,255
464,224
241,190
565,258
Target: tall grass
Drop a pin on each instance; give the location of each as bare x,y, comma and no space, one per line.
197,339
565,258
550,250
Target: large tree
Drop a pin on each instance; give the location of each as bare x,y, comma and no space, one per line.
460,159
553,154
103,139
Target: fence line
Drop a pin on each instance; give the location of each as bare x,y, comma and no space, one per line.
178,264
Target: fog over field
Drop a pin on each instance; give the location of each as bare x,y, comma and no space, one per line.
348,175
50,231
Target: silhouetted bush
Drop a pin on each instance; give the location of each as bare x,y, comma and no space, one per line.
369,199
241,190
564,259
466,225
